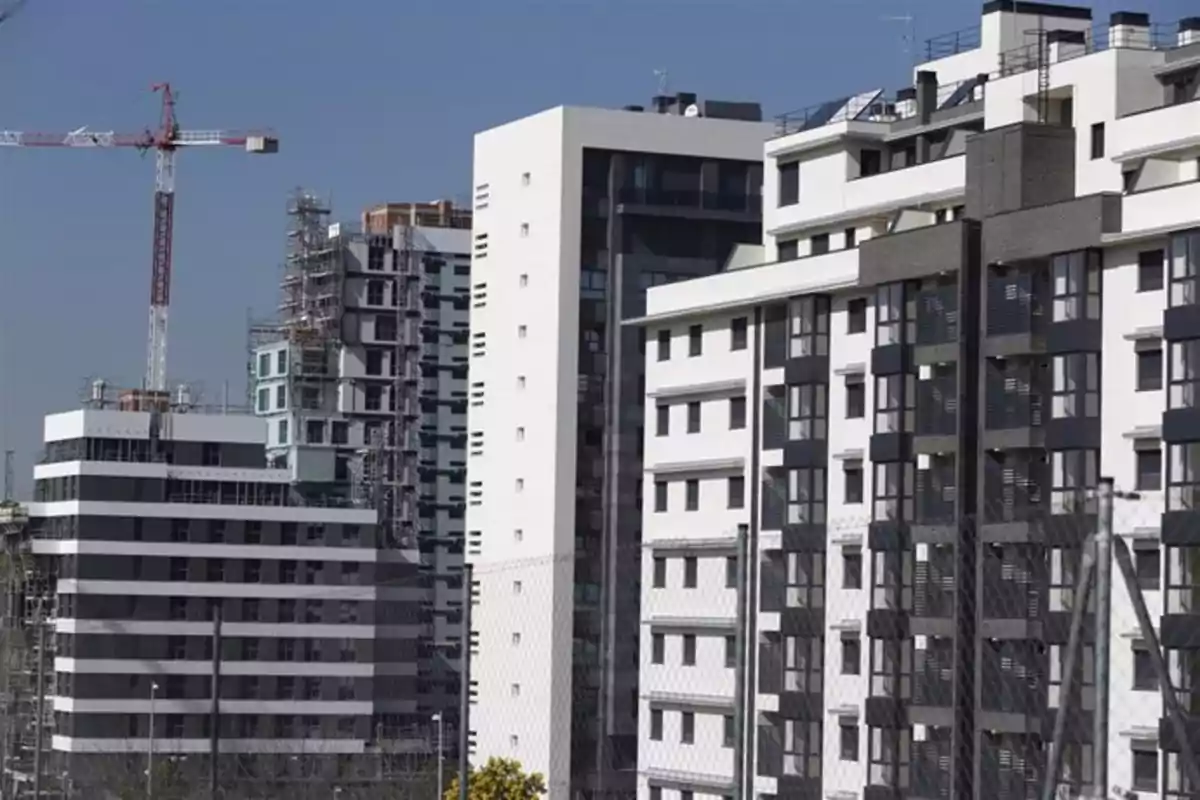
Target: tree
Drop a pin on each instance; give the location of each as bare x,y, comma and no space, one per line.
499,779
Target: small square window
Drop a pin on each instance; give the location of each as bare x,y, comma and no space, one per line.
525,178
856,315
1097,140
691,568
522,331
848,742
1147,563
731,572
851,655
1150,270
689,650
730,652
1149,370
662,420
660,572
851,238
660,496
737,413
787,250
687,731
1149,470
693,417
664,345
728,731
853,475
852,568
656,727
1145,766
737,333
856,398
658,648
524,228
820,244
692,502
737,492
1145,679
695,340
523,280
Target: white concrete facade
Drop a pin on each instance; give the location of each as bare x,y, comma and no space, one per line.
1136,137
523,412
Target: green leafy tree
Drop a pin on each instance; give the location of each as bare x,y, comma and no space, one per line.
500,779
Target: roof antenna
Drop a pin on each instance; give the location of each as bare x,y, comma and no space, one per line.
664,80
909,38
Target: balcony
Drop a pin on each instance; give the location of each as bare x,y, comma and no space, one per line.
1014,592
1013,405
937,413
1147,133
1015,313
1160,209
1017,691
937,324
931,777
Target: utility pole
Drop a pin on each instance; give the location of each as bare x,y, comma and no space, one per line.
739,667
214,715
150,745
1104,537
441,763
464,700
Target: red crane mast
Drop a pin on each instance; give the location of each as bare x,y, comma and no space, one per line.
165,141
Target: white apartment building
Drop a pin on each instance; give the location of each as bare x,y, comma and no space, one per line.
973,299
152,521
577,211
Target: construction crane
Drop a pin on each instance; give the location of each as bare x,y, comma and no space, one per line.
165,141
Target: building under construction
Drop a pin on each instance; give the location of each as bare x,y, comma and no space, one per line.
362,380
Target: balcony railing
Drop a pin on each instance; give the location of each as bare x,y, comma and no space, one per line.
1015,683
1014,586
1015,305
937,406
931,770
933,687
1014,398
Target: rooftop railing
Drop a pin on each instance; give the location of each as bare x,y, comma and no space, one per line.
874,106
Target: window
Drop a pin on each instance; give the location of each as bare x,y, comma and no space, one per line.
789,184
848,741
806,412
802,748
662,420
1184,375
737,492
656,791
280,397
656,724
523,280
281,362
264,365
730,652
692,495
893,487
522,331
693,417
524,229
264,400
374,293
1183,263
1150,270
1097,140
808,327
1076,287
1076,391
737,413
819,244
852,472
895,401
870,162
695,340
1145,765
731,572
895,315
851,238
737,333
1073,478
1149,470
856,397
687,729
658,648
806,496
689,649
1147,564
664,345
660,572
856,315
787,249
660,496
852,568
1145,679
690,569
1149,370
728,733
851,655
283,431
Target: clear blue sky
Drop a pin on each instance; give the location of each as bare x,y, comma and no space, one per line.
373,100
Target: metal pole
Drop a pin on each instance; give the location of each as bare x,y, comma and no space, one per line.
464,700
739,666
40,701
150,746
214,713
441,771
1104,537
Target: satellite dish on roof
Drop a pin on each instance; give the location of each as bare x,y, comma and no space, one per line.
692,110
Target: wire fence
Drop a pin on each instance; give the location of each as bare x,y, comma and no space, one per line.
904,650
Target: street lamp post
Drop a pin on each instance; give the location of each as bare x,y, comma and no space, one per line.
440,761
150,746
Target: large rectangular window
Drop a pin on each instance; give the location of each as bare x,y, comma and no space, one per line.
894,490
806,496
1076,289
805,580
803,669
1074,475
1184,376
1184,263
808,326
895,403
1076,386
802,748
806,409
895,314
1183,477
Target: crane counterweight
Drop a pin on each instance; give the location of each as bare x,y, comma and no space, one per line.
166,140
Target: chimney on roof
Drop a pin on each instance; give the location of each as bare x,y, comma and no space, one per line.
1129,29
661,103
1062,45
1189,31
927,91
